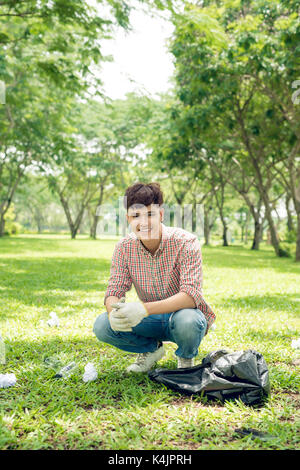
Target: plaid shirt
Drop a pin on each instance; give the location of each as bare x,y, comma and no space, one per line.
176,266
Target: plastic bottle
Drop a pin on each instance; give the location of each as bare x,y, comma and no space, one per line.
66,371
52,362
2,351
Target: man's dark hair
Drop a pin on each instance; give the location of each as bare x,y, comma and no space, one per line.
142,193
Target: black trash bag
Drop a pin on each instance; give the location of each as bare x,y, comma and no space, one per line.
222,375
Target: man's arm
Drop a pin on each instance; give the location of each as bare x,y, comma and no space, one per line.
120,280
109,301
190,266
171,304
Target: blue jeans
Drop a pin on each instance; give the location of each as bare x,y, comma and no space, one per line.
185,327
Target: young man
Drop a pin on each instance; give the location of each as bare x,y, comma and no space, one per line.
165,266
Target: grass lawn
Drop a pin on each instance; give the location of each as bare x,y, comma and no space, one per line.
255,295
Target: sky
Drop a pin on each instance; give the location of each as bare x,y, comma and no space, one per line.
142,62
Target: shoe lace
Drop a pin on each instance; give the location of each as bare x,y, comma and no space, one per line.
141,358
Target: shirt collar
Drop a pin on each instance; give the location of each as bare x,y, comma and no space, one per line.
164,237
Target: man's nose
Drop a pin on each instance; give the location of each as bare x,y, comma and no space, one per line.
143,219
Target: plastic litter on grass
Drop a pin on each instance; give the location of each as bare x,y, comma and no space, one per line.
53,320
90,373
7,380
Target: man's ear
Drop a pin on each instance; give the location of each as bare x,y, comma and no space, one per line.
162,212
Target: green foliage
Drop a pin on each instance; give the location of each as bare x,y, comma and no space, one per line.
11,226
234,89
51,50
290,236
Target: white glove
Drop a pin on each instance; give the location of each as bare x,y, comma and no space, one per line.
132,312
118,321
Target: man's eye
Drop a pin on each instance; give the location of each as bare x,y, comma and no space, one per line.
149,214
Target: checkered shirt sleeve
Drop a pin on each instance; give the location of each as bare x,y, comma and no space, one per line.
191,279
120,280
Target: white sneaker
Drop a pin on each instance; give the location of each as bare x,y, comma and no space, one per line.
182,362
145,361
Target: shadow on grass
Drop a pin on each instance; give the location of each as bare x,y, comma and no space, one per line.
277,302
51,281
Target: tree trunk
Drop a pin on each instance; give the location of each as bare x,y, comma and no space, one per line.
38,220
95,217
225,229
2,225
220,205
256,162
245,238
263,228
91,219
298,238
73,232
93,228
73,226
257,235
206,226
242,232
6,205
290,223
206,233
265,198
272,228
246,235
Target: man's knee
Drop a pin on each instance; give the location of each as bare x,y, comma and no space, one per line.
189,320
100,326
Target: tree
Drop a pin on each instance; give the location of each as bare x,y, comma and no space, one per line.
116,131
33,201
219,77
50,52
38,65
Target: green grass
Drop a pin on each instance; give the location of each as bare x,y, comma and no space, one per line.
256,297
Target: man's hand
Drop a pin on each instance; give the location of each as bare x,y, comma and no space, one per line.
133,312
118,321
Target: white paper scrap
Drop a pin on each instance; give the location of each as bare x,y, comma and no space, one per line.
90,373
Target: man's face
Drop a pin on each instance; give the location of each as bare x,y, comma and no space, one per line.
145,220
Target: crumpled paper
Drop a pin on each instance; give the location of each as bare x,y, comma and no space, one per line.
90,373
296,343
53,320
7,380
